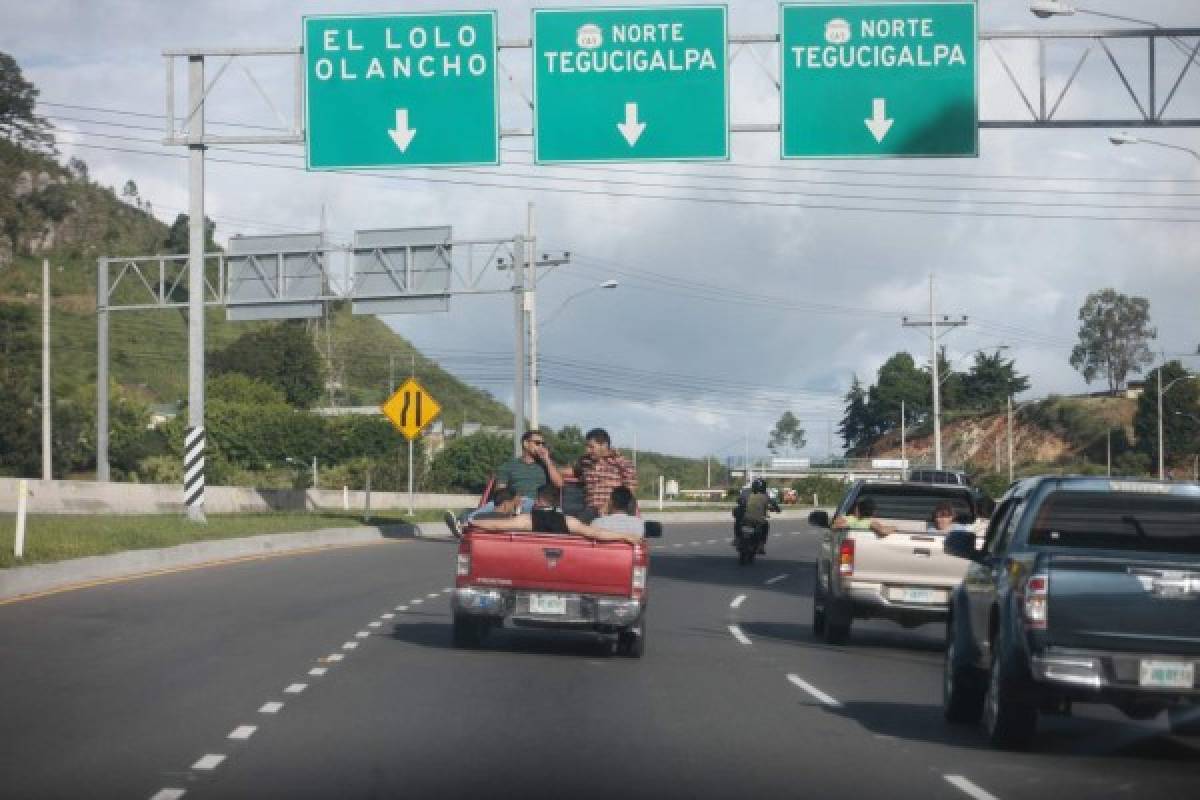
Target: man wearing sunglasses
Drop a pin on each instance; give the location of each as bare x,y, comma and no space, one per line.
531,470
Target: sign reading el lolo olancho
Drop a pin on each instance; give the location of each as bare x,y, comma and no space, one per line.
874,80
401,90
630,84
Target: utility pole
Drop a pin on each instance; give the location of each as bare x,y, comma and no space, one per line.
903,433
193,446
47,402
520,299
933,324
102,471
531,313
1010,439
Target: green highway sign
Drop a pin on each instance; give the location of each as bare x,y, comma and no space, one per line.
401,90
878,80
630,84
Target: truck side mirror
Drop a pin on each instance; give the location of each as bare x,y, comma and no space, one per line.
961,544
653,529
819,519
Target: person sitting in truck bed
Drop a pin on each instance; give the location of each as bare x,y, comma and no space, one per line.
502,504
620,514
861,519
546,518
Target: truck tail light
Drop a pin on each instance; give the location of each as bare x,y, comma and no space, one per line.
639,577
845,557
462,567
1035,601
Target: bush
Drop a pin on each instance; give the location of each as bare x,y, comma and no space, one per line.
829,491
467,462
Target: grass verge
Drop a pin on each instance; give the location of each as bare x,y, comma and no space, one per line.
57,537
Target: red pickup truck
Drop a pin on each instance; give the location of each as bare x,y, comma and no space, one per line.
550,580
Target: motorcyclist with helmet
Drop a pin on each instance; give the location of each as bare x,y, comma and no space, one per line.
752,509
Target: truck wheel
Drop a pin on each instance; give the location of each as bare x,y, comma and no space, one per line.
468,631
1184,720
632,643
963,688
837,623
1009,720
818,614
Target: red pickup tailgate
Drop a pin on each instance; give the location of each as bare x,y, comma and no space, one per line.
551,562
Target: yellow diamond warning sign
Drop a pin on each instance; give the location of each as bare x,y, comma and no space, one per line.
411,408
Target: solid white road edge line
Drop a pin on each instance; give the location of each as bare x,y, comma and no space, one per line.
210,761
242,732
820,696
737,601
964,785
777,579
737,634
168,794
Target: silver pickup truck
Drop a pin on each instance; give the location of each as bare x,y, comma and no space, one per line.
903,576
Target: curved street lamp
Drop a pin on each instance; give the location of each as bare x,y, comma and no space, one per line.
1126,138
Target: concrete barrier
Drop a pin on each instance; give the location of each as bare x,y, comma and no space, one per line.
93,497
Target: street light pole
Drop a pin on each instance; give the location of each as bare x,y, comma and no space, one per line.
1161,448
1119,139
1010,439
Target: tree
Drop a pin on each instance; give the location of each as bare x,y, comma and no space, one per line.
1181,414
130,193
787,434
1113,337
178,237
898,380
992,379
20,445
79,168
282,356
18,98
567,445
855,425
467,462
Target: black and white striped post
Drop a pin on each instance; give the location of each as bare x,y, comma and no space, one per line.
193,472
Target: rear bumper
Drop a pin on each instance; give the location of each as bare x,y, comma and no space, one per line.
1114,676
884,601
581,611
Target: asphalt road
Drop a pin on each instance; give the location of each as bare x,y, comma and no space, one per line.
331,675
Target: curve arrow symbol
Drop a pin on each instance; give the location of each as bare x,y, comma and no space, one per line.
631,129
402,135
879,124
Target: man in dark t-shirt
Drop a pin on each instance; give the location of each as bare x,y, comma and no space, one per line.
531,470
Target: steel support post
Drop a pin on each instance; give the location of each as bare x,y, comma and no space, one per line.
102,473
47,399
193,458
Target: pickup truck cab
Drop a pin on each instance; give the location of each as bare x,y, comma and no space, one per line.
551,580
1084,590
904,576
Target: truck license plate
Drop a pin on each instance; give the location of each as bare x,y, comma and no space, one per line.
547,604
1167,674
916,595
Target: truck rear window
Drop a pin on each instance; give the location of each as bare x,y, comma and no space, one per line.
1119,521
914,503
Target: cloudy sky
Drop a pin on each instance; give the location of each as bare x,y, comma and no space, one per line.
746,288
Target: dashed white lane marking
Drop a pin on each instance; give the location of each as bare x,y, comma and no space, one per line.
737,601
210,761
362,634
697,544
296,688
270,708
777,579
433,595
677,544
168,794
737,634
349,645
388,616
317,672
712,541
334,657
448,590
402,608
964,785
375,624
821,697
416,601
242,732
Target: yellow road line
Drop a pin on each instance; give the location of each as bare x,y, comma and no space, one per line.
190,567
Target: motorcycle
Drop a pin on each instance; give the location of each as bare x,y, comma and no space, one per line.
749,538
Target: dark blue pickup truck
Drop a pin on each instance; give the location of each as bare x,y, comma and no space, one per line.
1083,590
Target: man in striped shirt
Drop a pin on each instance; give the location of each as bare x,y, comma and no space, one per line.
602,469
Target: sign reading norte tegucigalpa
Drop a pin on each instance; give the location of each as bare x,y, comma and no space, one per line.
628,84
400,90
411,408
865,80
